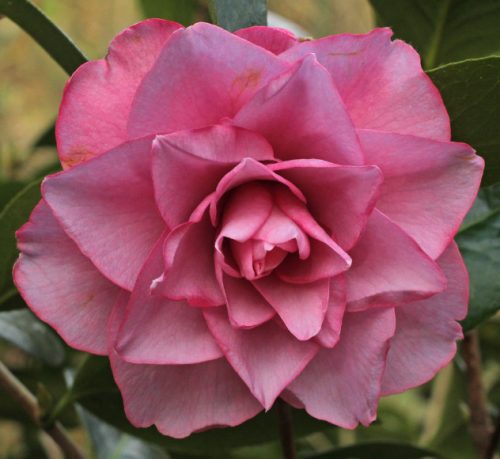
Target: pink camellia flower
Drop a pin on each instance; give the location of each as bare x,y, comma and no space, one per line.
245,216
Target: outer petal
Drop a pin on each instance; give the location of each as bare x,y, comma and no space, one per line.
381,83
182,399
267,358
97,98
273,39
107,207
342,385
317,127
60,285
211,74
159,331
428,185
188,165
426,330
189,265
302,307
388,268
341,198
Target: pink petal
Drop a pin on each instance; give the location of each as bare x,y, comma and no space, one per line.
159,331
267,358
60,285
426,330
302,307
107,207
381,83
388,268
182,399
316,127
330,331
203,75
355,189
273,39
189,265
98,97
187,165
342,385
245,306
428,185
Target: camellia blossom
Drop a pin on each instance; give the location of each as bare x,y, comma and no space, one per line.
248,216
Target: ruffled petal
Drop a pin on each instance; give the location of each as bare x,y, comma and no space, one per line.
98,97
60,285
426,331
107,207
273,39
329,334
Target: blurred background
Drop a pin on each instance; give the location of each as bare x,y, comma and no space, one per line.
434,416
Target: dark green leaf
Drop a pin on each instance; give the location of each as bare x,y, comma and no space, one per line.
471,93
45,32
8,190
15,214
25,331
47,138
237,14
479,242
444,31
182,11
378,450
95,390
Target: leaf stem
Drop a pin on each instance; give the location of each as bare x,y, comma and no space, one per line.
18,391
286,430
480,422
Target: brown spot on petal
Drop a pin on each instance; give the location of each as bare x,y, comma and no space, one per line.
352,53
249,79
76,156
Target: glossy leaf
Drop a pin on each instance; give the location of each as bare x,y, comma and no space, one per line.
479,242
378,450
22,329
95,390
181,11
15,214
44,32
444,31
471,93
237,14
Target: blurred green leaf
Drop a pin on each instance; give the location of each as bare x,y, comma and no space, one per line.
444,31
24,330
15,214
379,451
471,93
182,11
237,14
479,242
57,44
95,389
47,138
8,190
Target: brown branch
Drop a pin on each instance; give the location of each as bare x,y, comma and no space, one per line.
494,441
480,422
286,430
28,402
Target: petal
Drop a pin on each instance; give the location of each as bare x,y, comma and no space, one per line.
182,399
355,190
211,74
188,165
273,39
189,265
107,207
160,331
267,358
302,307
342,385
317,127
98,97
329,334
428,185
426,331
60,285
388,268
381,83
245,306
